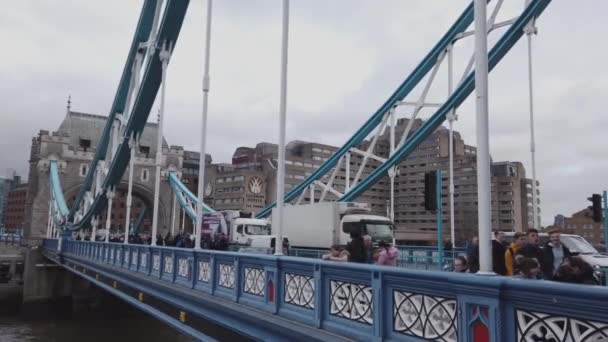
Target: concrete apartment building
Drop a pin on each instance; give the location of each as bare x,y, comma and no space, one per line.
249,183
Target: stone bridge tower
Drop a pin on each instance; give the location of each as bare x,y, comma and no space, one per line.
73,146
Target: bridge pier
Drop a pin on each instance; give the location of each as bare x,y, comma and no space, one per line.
47,288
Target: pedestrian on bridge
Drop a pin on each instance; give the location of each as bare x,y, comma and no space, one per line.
337,253
356,249
498,253
554,253
528,268
532,247
473,254
461,265
519,242
388,254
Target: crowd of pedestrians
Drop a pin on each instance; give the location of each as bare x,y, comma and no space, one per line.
526,258
361,250
181,239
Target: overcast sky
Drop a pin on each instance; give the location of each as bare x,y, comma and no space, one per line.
346,57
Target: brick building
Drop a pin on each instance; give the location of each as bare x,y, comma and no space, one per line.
581,223
14,211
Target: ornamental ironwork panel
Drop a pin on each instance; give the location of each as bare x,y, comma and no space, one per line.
428,317
254,281
536,326
156,262
226,278
183,269
352,301
300,290
203,271
168,264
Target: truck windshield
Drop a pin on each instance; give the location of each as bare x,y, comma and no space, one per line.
379,231
257,230
577,244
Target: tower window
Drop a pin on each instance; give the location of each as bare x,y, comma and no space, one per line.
84,144
144,175
83,170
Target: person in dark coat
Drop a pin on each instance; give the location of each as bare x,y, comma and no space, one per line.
554,254
356,249
532,248
498,253
473,255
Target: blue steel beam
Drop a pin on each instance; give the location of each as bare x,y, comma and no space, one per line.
173,18
56,187
502,47
465,19
142,33
178,187
139,221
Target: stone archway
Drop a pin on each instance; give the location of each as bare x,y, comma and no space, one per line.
142,197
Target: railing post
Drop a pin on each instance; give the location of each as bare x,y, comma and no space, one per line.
237,279
379,311
319,295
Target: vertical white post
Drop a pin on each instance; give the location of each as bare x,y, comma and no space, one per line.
451,118
312,193
173,214
133,147
530,30
110,196
164,58
94,223
198,228
282,123
183,221
98,177
347,171
392,171
115,129
484,208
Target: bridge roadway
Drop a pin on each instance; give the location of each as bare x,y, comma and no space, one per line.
263,297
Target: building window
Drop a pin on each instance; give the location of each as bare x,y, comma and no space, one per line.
83,170
144,175
145,150
84,144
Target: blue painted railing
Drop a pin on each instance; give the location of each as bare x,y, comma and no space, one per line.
367,302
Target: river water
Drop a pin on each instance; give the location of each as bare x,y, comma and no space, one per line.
136,327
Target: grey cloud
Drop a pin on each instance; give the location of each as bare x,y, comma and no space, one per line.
79,47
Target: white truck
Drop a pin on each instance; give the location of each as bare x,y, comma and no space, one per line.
239,228
321,225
